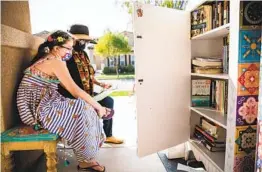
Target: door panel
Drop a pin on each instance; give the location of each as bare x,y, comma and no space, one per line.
162,50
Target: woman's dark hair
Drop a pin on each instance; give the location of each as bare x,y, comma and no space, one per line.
57,38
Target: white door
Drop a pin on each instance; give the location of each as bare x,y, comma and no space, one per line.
162,51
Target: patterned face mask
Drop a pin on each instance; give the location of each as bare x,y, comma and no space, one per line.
67,57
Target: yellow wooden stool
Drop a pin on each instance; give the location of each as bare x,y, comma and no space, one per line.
26,138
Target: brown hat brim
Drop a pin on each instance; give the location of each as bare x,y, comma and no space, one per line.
82,36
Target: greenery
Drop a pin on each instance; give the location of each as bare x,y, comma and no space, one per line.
110,77
176,4
121,69
112,45
121,93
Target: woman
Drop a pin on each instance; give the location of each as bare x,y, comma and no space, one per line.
40,104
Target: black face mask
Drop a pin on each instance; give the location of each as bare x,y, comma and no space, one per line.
79,46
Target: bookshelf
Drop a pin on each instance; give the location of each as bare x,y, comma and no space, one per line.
215,76
217,158
214,40
212,115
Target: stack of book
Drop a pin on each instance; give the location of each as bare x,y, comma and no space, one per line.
207,65
212,136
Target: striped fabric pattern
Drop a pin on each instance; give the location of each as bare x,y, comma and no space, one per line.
72,119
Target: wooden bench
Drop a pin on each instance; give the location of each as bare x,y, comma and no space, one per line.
26,138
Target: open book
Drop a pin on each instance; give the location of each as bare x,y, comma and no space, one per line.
104,93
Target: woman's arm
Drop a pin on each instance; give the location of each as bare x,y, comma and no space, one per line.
101,84
97,82
60,70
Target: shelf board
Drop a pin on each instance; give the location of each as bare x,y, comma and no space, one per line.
211,114
218,158
219,76
214,33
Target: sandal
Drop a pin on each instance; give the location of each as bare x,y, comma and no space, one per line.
91,168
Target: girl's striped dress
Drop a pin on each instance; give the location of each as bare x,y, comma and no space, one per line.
72,119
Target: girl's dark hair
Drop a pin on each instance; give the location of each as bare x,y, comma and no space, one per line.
57,38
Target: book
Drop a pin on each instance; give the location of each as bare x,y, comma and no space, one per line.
207,63
213,148
103,94
201,87
209,126
200,101
200,92
207,70
201,20
201,138
220,138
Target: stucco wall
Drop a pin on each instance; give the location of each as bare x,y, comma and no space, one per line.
17,49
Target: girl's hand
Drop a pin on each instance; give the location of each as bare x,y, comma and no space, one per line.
102,112
107,86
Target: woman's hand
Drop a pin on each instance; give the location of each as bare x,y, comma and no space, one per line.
101,112
106,86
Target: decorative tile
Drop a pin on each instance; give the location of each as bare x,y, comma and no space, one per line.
250,14
245,139
244,163
249,46
248,81
247,110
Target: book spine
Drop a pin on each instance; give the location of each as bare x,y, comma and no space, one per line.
225,12
213,94
212,148
226,98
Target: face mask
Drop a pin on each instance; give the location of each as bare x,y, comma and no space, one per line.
67,57
79,46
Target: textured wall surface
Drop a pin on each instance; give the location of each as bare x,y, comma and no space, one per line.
17,49
16,14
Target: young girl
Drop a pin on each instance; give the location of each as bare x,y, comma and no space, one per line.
40,104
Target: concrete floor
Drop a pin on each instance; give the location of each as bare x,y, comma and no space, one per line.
116,158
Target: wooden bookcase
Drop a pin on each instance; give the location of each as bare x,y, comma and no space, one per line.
165,116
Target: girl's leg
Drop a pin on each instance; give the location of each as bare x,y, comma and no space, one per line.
88,136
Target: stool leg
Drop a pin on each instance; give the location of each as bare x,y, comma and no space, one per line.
8,163
50,151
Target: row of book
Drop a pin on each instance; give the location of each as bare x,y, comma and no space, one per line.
220,13
210,93
209,16
212,136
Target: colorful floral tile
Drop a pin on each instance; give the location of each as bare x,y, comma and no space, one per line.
248,81
244,163
247,110
245,139
250,15
249,46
